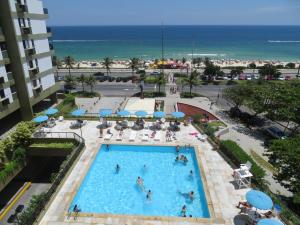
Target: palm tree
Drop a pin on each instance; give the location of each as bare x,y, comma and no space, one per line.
160,80
69,61
90,81
192,80
182,82
70,82
133,65
107,62
81,80
252,66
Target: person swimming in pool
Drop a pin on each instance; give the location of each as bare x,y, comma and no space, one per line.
183,211
107,146
191,175
118,168
191,195
140,182
149,195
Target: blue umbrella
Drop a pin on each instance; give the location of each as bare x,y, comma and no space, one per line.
40,119
141,113
159,114
105,112
259,200
124,113
269,222
78,112
178,114
51,111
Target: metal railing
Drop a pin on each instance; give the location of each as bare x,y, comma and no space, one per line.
65,135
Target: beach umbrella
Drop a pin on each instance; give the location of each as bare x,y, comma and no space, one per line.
259,200
141,113
51,111
269,222
78,112
178,114
124,113
159,114
40,119
105,112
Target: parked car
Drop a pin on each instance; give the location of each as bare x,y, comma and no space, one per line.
154,73
275,132
98,74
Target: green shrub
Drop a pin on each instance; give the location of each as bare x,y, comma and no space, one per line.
215,82
150,80
180,75
210,130
231,82
238,156
153,94
67,105
19,155
8,169
188,95
21,137
67,145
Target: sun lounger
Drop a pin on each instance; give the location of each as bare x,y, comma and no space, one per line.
132,135
157,136
201,137
145,136
60,118
108,136
119,137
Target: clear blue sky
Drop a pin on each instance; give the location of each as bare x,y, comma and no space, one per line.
177,12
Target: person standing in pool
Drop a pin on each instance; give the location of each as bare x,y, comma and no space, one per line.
118,168
177,149
140,182
107,147
191,175
183,211
191,195
149,195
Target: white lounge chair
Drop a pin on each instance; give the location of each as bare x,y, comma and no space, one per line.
60,118
157,136
119,137
201,137
145,136
132,135
108,136
246,166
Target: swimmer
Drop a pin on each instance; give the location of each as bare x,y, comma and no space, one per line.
183,211
177,159
191,174
107,146
118,168
177,149
149,195
185,160
140,182
191,195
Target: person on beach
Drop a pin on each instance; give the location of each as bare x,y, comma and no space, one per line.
183,211
140,183
118,168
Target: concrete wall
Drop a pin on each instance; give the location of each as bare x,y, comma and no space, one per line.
7,93
35,6
48,81
41,46
38,26
29,88
45,63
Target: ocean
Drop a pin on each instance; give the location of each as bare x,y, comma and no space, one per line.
144,42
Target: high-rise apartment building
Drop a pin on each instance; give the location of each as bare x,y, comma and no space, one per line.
26,70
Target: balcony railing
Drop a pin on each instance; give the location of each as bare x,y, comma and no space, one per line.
25,30
21,7
45,11
10,76
14,96
30,51
48,29
33,71
37,90
4,54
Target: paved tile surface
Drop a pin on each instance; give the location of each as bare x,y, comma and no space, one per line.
217,172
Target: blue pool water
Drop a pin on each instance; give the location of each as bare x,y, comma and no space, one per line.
105,191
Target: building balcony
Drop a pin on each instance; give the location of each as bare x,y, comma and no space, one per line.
9,76
21,7
14,96
37,90
2,80
45,11
33,71
4,54
30,51
48,29
25,30
51,47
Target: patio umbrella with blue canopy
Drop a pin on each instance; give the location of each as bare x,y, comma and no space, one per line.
105,112
124,113
78,112
40,119
141,113
159,114
178,114
51,111
259,200
269,222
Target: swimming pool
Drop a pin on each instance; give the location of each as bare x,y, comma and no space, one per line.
104,191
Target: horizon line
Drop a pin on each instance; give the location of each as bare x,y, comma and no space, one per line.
128,25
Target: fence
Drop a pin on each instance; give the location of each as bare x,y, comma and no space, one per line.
59,135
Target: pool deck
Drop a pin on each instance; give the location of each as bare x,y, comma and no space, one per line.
217,178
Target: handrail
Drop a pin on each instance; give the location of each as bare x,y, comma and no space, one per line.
69,135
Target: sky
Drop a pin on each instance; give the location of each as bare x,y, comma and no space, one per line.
173,12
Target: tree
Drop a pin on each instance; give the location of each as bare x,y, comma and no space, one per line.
90,81
290,65
183,60
107,63
81,80
133,65
269,70
192,80
236,72
237,94
69,61
182,82
210,69
285,156
70,82
160,80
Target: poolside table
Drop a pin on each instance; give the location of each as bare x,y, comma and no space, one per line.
242,178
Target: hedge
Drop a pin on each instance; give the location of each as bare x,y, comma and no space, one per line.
151,94
238,156
188,95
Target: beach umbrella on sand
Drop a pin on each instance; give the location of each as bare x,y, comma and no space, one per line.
40,119
269,222
178,115
259,200
105,112
51,111
124,113
141,113
78,112
159,114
